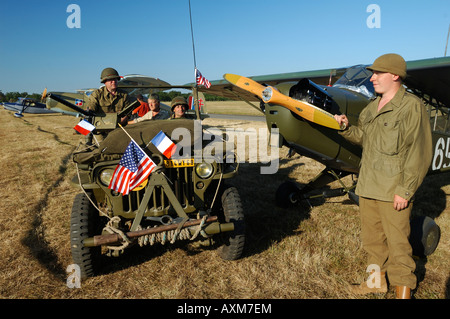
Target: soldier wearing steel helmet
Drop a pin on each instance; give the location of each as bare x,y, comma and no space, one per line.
109,98
395,135
179,105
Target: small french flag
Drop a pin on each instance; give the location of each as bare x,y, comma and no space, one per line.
84,127
164,144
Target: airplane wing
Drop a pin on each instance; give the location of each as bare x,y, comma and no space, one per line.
135,84
429,77
141,84
137,80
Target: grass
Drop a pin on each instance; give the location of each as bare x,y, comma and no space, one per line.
233,107
290,253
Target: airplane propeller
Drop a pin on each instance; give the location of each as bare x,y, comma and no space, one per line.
44,94
270,94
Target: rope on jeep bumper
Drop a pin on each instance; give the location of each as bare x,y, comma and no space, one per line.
171,235
113,230
109,226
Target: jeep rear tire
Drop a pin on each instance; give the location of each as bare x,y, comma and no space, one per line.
233,242
84,223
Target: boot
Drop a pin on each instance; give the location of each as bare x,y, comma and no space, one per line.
364,289
402,292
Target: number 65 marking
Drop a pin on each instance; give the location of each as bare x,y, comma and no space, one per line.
441,151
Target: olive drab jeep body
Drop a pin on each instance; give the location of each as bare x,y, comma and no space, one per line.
184,198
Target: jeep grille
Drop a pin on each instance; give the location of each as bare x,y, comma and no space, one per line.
180,181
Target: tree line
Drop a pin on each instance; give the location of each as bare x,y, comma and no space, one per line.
14,96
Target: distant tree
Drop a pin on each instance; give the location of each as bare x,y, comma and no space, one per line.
35,96
169,95
14,96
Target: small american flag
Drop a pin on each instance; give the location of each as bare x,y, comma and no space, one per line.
134,167
201,80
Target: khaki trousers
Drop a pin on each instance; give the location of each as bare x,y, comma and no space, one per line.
385,237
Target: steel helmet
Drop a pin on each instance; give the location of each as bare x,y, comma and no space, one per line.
109,74
179,100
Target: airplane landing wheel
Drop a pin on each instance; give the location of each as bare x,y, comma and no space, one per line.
287,195
425,236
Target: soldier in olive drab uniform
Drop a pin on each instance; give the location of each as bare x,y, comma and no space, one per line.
109,98
179,105
395,134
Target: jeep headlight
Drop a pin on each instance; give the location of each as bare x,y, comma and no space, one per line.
106,176
204,170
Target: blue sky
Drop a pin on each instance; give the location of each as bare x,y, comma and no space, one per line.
246,37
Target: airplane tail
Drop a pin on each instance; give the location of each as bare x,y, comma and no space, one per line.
201,103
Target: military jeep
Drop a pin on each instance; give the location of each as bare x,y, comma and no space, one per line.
184,198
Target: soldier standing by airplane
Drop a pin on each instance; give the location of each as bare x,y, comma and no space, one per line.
395,135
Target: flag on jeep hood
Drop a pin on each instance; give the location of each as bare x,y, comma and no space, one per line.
134,168
164,144
84,127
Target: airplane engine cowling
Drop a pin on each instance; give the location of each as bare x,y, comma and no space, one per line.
308,91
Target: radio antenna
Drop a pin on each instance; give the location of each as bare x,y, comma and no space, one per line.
448,33
192,36
195,88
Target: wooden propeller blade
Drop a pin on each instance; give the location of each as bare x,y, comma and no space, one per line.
44,95
271,95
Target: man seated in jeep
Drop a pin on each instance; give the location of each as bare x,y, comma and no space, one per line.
155,113
179,106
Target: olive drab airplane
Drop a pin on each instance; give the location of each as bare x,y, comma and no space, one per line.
301,106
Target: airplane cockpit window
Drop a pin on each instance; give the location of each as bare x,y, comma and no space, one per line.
357,79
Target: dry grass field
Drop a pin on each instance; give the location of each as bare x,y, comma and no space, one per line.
295,253
232,107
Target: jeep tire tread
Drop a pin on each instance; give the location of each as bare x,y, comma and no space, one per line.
84,222
233,242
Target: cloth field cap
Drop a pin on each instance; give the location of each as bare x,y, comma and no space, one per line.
391,63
